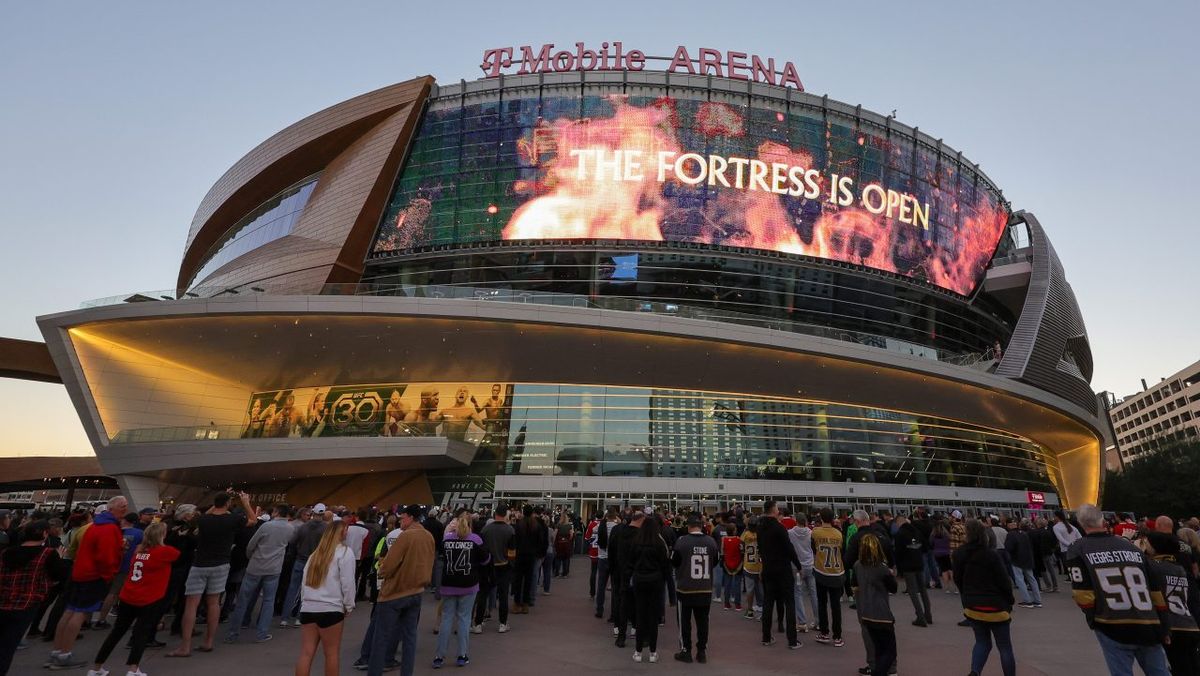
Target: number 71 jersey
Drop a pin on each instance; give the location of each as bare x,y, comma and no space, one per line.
1112,584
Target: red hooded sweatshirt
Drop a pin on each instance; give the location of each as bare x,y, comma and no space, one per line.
99,556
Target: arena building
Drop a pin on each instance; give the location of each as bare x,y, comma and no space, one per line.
598,287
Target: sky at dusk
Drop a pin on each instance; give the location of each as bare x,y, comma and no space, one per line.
118,117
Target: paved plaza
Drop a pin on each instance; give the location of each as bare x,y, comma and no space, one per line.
561,634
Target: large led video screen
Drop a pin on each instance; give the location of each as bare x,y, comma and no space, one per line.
682,170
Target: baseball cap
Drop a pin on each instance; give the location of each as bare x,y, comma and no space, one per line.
147,511
319,508
956,514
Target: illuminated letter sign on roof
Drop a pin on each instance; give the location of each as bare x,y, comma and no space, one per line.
613,57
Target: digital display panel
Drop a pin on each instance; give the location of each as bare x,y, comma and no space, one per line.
476,413
682,170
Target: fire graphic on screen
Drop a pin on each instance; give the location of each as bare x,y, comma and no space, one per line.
691,171
571,203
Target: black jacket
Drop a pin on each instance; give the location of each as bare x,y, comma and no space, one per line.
1019,548
980,576
925,530
532,539
775,549
622,541
909,549
649,563
885,540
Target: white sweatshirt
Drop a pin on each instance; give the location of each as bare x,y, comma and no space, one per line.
336,593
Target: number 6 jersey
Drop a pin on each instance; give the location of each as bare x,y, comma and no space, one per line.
1113,586
149,573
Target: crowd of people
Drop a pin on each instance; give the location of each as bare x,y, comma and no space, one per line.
243,565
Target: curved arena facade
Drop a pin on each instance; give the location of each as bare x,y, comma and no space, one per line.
596,288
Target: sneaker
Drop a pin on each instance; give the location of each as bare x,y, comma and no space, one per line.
795,646
502,629
839,643
653,658
801,628
263,639
920,623
51,657
702,657
462,661
769,643
94,672
749,614
1037,605
64,661
1024,604
476,628
637,656
296,623
616,632
360,664
738,607
139,672
728,606
438,662
865,671
824,638
682,656
102,624
283,624
392,665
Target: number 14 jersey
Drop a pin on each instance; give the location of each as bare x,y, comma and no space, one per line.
1113,586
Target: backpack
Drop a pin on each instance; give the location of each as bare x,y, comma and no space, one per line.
562,545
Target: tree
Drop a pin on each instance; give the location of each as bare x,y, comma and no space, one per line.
1160,483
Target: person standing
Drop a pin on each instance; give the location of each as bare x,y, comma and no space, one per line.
96,563
694,556
987,598
589,536
731,568
531,546
463,557
651,564
326,598
806,584
873,582
604,571
404,573
142,598
910,563
1020,556
1182,598
264,554
27,570
939,544
1066,534
305,539
133,537
624,611
564,543
752,568
215,533
779,562
498,539
829,569
1122,601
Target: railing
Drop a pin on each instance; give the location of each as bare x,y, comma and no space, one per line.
661,306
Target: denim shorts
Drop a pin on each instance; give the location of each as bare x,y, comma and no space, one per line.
207,580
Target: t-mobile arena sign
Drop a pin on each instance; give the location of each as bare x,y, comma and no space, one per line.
614,57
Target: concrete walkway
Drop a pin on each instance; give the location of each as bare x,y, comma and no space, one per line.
560,635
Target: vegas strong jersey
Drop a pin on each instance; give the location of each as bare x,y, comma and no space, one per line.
1115,589
827,555
1179,591
695,556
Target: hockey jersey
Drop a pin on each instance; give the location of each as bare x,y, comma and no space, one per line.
751,562
1179,592
731,553
694,556
1114,587
827,555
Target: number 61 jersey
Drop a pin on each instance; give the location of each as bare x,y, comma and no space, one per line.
1113,586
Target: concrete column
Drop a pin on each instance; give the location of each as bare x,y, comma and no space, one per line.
141,491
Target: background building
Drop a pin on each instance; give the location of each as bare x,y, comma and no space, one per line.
1158,415
598,287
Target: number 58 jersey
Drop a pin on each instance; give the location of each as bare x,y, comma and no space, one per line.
1113,586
